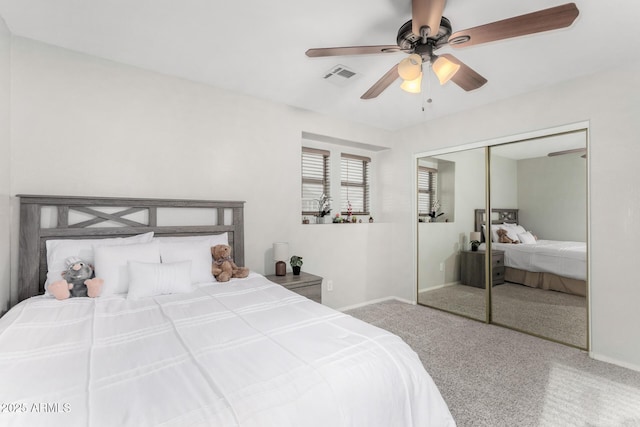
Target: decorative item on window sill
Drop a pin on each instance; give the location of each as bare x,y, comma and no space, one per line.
296,264
324,208
280,254
474,240
435,211
348,219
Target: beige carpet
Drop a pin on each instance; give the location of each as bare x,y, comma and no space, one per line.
493,377
550,314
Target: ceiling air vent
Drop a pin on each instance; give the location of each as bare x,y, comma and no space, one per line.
340,75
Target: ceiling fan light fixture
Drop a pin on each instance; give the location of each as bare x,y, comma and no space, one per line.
410,67
412,86
444,69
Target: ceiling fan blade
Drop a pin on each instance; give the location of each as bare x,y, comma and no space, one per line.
530,23
351,50
574,150
426,13
382,84
466,77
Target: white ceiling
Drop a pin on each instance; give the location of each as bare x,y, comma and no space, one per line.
541,147
257,47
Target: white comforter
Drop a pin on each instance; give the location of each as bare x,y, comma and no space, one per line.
245,353
568,259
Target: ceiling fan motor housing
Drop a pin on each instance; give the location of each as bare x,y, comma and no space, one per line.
412,43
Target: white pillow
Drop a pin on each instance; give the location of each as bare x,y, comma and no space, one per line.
198,252
111,264
150,279
513,230
519,229
212,239
526,238
59,250
494,232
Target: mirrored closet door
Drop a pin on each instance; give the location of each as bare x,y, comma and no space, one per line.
450,275
530,243
539,216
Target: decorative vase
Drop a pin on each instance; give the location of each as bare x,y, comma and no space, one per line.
296,270
474,248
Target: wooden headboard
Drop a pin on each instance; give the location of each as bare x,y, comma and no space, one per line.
499,216
107,217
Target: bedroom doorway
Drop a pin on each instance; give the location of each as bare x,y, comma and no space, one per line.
535,184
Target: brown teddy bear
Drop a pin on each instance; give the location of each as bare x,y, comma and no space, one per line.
503,238
223,267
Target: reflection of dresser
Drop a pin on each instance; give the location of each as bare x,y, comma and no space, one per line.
472,268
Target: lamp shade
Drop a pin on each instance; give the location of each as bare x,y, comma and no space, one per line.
280,251
444,69
410,67
475,235
412,86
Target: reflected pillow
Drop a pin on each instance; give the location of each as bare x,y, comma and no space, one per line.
494,232
513,230
526,238
519,229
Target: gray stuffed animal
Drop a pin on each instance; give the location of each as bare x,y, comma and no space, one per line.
78,281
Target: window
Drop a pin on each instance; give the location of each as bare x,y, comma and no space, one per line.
427,183
315,178
354,184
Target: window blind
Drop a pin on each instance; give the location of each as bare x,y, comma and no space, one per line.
427,178
354,186
315,178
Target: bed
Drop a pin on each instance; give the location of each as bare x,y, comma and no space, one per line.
547,264
247,352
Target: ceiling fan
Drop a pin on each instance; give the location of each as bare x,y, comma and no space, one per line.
428,31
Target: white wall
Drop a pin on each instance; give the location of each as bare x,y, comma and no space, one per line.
86,126
552,197
5,164
609,101
504,183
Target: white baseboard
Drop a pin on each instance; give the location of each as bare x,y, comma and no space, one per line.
433,288
613,361
375,301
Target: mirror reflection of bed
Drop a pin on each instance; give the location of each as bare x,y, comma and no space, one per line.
545,283
539,286
544,287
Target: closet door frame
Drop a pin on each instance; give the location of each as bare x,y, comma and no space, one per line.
532,135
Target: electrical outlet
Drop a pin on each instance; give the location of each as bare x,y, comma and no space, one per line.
442,266
329,285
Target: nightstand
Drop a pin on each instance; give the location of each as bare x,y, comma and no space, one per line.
306,284
472,268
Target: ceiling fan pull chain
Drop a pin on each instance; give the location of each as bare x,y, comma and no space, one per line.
427,93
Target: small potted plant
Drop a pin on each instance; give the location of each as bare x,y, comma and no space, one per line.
474,245
296,263
435,211
324,208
